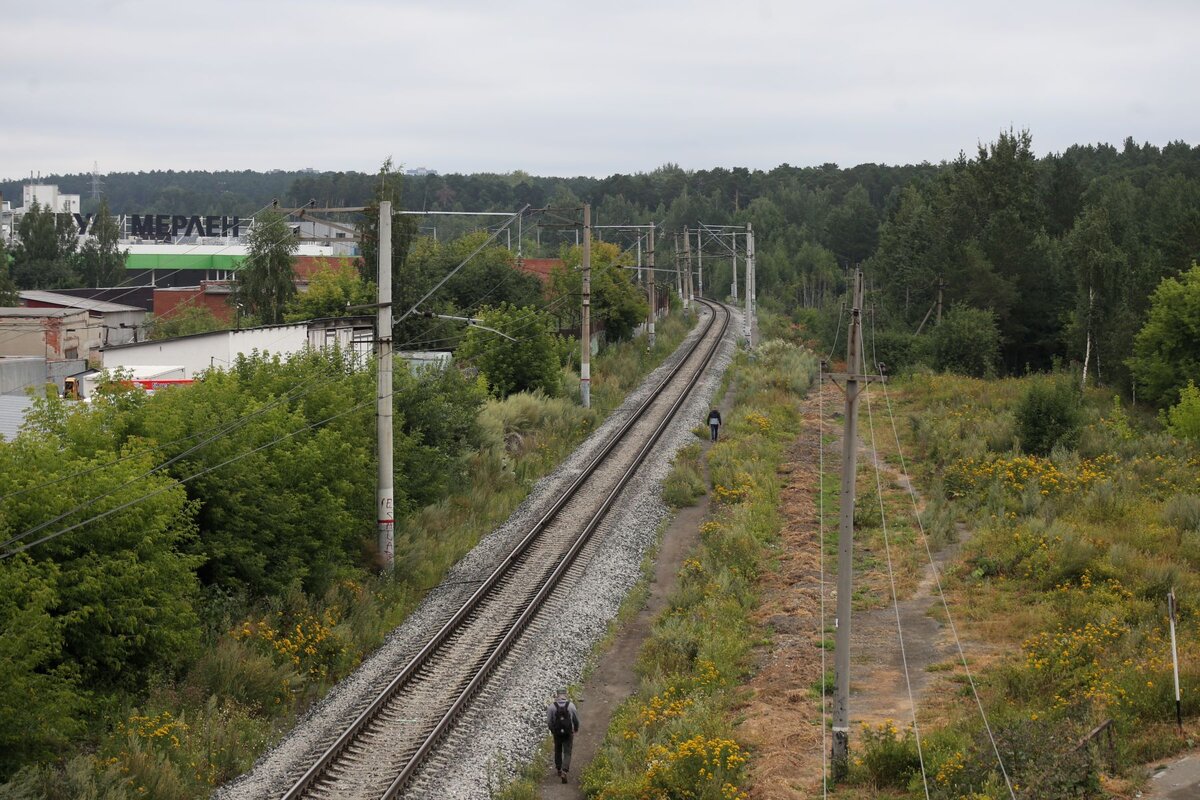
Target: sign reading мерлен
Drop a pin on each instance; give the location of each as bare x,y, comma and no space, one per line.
160,226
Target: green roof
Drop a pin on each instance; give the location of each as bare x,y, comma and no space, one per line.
182,261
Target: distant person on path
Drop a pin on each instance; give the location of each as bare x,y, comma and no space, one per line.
714,422
562,719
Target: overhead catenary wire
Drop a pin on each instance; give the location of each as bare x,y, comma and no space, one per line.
451,273
912,496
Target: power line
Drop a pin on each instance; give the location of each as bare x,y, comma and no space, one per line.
912,495
887,548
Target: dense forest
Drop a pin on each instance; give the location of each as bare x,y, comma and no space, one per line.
1061,252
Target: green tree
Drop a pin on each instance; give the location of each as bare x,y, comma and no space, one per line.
527,362
45,251
1098,266
1048,415
101,260
266,280
40,699
124,588
491,276
410,281
1166,351
1183,418
617,302
854,226
184,321
334,286
8,289
967,341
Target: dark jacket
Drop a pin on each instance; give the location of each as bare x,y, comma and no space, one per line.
551,713
714,417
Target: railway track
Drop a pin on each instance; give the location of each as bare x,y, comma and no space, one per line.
378,755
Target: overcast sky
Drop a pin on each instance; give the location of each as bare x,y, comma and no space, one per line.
563,88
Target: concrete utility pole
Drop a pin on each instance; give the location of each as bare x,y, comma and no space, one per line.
687,261
734,251
650,290
639,259
746,326
585,332
752,287
384,499
700,261
679,276
841,706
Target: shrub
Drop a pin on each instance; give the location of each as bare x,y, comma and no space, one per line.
898,350
889,757
1183,418
1048,415
967,341
1182,512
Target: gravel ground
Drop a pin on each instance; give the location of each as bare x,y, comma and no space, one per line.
504,726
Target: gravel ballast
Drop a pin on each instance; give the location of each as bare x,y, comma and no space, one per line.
504,725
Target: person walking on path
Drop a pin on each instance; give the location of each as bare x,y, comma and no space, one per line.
562,718
714,422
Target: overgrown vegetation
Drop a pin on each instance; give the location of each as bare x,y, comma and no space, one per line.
1073,551
675,737
172,641
685,484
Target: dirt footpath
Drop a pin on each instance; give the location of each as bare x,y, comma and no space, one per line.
614,679
783,718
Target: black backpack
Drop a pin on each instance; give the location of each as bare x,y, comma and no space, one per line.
562,717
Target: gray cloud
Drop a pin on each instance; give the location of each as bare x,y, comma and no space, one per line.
558,88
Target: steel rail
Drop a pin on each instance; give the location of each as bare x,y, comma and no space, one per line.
551,583
352,732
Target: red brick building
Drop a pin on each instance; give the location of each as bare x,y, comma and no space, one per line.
541,267
213,295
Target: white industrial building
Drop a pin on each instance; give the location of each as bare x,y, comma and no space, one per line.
47,195
219,349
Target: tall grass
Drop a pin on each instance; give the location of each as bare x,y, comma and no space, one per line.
684,485
1066,577
674,737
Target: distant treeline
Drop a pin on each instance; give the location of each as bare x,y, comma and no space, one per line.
1062,250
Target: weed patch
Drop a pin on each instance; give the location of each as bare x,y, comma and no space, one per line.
674,737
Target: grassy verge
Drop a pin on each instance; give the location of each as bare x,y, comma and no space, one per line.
265,663
1063,584
674,737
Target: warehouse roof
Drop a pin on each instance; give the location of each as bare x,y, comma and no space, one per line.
68,301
